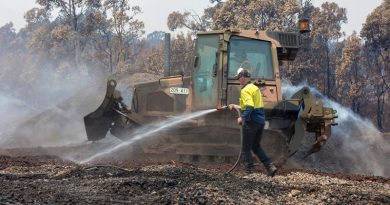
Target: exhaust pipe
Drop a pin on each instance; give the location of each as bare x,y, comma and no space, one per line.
167,54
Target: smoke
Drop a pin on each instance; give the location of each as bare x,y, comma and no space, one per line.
7,122
356,146
49,111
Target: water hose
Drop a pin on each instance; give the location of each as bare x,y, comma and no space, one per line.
241,135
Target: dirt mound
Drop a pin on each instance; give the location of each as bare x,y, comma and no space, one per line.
49,180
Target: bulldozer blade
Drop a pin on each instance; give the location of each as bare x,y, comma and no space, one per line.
297,137
98,123
96,128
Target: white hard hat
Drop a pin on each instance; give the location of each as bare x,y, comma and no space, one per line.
239,70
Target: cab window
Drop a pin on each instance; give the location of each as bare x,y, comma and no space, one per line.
251,54
204,82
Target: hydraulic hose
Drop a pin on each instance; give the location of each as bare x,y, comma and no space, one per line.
242,139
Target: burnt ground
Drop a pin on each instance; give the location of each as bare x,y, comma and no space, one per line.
51,180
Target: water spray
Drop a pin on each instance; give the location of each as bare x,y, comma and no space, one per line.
356,146
161,126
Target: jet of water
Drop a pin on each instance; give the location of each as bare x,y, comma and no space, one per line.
356,146
159,127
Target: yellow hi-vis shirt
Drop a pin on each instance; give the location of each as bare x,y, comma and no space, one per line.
250,95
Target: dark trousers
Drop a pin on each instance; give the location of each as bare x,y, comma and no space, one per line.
252,133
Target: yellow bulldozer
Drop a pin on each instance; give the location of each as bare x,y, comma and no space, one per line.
212,85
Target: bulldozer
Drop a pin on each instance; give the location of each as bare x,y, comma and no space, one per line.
212,85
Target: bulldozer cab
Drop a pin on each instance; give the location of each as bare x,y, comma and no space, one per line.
219,54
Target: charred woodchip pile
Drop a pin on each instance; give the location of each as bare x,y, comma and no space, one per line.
50,180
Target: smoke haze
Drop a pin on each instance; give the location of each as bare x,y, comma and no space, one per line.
356,146
49,112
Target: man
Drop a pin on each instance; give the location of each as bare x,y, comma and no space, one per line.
252,119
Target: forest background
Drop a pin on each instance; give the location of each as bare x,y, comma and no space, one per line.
68,41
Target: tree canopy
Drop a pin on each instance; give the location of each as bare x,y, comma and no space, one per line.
64,40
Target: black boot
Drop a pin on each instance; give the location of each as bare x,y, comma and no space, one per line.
249,171
271,170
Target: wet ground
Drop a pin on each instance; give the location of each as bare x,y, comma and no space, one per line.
51,180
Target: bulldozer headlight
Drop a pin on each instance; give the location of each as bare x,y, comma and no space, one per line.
304,26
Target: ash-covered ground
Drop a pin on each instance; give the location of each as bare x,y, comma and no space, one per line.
51,180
